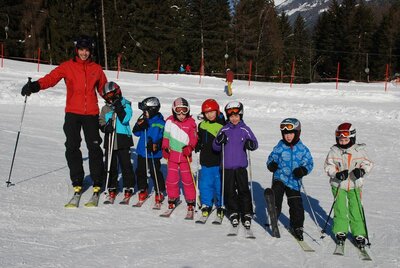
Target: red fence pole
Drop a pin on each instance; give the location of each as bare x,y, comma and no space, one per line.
250,65
292,75
38,61
386,76
2,55
158,66
337,75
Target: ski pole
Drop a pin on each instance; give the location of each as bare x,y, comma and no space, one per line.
145,152
155,173
309,203
194,182
9,183
197,180
251,182
111,139
223,177
330,212
361,208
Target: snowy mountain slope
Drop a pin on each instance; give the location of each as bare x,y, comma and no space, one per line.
308,9
37,231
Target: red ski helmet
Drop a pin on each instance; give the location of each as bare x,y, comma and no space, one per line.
210,105
346,130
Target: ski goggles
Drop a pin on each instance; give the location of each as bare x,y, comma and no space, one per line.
181,110
343,133
287,126
232,111
111,96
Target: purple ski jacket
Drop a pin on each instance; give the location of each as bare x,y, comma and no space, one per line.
235,155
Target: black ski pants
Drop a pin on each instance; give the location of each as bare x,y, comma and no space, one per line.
296,209
142,173
72,128
123,158
237,196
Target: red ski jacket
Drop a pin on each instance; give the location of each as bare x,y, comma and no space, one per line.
229,76
82,79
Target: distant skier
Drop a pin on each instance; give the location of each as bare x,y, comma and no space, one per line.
347,164
290,161
236,138
181,69
210,173
188,69
229,79
119,109
150,128
82,77
180,139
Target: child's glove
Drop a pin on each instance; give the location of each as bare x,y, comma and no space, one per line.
187,151
342,175
108,128
141,124
299,172
119,109
221,138
358,173
250,145
198,147
273,166
151,146
165,153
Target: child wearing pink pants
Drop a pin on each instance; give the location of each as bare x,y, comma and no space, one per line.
179,140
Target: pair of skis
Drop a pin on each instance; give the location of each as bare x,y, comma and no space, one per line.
273,220
203,219
362,252
74,202
234,230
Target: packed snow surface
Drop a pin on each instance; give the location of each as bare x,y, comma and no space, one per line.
37,231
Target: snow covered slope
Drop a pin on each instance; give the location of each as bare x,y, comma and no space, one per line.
37,231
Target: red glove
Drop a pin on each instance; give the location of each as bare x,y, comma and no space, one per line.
165,153
187,151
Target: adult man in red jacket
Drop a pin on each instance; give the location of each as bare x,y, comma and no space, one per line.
82,77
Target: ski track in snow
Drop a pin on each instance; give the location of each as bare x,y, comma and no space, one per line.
37,231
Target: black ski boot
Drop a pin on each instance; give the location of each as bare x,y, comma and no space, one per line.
234,218
246,221
298,233
360,241
340,238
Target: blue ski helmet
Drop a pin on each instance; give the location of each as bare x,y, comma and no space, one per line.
291,125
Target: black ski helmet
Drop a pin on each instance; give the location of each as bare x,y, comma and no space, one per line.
291,125
151,105
84,41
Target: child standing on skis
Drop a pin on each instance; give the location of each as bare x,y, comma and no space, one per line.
210,160
290,161
234,139
150,128
114,122
346,165
180,139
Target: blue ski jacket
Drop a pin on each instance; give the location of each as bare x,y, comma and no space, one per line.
288,158
154,132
